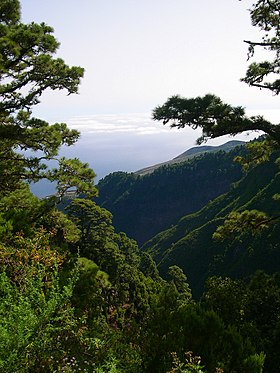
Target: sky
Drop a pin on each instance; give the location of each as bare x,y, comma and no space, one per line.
136,54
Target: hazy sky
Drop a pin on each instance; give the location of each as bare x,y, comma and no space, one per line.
137,53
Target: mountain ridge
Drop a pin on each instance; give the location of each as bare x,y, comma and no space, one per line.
144,205
190,153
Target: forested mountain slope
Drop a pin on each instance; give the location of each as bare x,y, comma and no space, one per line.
191,153
142,206
190,245
78,297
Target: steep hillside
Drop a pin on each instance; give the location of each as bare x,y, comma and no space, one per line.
143,206
191,153
189,243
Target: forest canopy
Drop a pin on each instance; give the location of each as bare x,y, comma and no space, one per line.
75,295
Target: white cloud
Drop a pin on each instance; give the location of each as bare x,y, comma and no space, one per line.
139,124
129,142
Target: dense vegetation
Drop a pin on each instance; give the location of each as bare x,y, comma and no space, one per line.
143,206
75,296
190,243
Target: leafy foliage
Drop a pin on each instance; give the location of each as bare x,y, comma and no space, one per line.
191,364
36,315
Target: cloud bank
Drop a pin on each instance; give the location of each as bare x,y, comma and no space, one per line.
129,142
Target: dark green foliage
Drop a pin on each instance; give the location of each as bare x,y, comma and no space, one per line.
253,308
179,280
265,16
190,245
94,224
9,12
217,118
77,296
187,327
27,69
144,206
214,117
148,266
118,256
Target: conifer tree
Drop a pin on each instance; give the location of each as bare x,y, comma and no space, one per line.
28,68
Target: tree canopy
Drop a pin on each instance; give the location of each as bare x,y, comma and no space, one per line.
265,16
110,310
217,118
28,68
